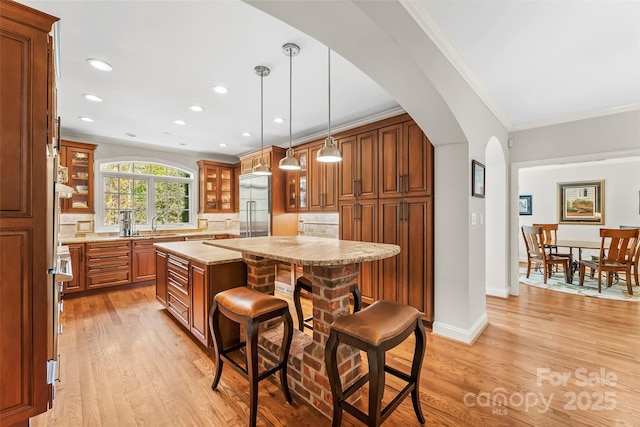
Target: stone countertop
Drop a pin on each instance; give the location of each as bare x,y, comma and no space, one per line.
307,250
108,238
199,252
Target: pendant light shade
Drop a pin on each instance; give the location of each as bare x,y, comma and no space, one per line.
329,153
262,168
289,162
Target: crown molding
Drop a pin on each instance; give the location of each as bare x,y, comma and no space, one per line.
346,126
577,117
420,13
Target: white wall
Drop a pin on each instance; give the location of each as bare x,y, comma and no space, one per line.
621,187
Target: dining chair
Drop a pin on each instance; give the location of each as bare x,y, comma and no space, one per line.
534,242
550,232
617,251
636,257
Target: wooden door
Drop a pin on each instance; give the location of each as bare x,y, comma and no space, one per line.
417,254
199,301
348,171
367,231
330,183
367,165
76,251
144,264
161,277
390,269
390,160
417,173
246,165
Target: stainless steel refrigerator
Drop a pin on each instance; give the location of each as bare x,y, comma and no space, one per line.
255,205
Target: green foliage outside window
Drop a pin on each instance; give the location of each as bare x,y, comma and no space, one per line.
169,198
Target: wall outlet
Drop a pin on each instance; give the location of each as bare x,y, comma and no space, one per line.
474,219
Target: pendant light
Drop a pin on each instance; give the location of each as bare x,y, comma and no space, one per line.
262,168
289,162
329,153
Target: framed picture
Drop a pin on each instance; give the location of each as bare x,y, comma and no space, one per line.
581,202
524,205
477,179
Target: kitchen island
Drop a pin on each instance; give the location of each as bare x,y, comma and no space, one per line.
332,265
188,276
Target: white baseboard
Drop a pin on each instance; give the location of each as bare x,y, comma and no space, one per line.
497,292
467,336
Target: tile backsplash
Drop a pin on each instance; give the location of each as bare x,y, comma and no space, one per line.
318,224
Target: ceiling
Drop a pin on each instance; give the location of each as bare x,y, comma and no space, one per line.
532,62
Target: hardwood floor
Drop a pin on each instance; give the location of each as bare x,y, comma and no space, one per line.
126,362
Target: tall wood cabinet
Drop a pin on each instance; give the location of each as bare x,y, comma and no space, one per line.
77,157
27,112
385,190
323,179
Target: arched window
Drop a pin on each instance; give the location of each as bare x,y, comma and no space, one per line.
148,189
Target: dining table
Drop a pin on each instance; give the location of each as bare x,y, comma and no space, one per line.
332,265
579,245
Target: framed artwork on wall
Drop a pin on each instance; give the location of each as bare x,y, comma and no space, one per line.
524,205
581,202
477,179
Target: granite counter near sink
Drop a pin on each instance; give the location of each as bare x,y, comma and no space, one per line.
177,235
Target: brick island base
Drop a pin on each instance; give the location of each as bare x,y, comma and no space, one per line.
307,374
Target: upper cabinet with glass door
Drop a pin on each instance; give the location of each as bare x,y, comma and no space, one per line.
297,200
216,187
77,157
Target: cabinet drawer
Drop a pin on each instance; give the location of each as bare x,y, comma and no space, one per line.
108,278
119,246
178,264
107,259
178,283
178,308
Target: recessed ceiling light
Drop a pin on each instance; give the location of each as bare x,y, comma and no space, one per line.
196,108
182,143
278,120
222,145
100,65
85,118
129,134
180,122
246,133
220,89
166,133
91,97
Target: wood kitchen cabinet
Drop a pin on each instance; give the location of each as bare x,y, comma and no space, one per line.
27,85
217,190
247,162
358,171
108,263
358,221
407,277
237,171
322,183
143,258
78,283
405,161
297,195
78,158
161,277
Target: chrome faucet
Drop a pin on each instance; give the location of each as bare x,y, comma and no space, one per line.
154,224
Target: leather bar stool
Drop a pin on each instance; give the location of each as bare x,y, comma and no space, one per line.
375,330
250,307
305,284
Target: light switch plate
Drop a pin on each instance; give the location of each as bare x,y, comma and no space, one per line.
474,219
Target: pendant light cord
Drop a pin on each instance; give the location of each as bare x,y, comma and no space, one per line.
329,91
290,90
261,117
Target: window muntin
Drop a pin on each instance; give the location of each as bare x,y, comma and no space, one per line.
149,189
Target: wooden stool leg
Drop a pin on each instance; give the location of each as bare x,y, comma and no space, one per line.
416,368
252,369
287,336
298,306
214,327
330,360
357,298
376,359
